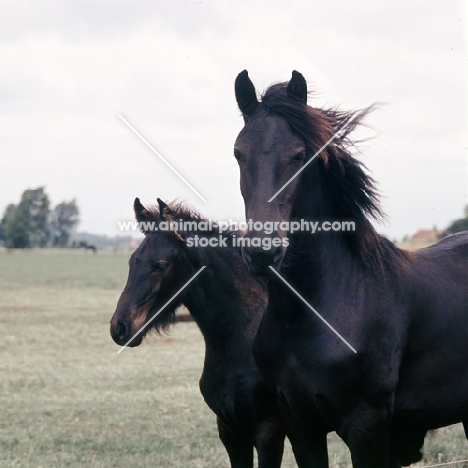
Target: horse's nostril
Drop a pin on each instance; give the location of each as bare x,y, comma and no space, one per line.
122,331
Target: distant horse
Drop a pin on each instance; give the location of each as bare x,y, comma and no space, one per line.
405,314
227,305
87,246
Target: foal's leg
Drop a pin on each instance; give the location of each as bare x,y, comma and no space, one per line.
269,437
240,450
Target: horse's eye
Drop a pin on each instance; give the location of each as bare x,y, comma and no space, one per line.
238,155
160,266
300,156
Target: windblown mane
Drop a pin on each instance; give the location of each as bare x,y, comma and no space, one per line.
355,194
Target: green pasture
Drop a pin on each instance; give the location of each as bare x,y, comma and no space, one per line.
67,399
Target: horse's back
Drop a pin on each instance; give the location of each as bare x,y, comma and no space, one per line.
433,387
454,242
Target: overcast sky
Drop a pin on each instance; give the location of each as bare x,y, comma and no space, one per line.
68,68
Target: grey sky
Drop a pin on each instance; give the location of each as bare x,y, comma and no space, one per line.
69,68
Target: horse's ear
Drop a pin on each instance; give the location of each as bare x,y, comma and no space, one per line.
246,96
167,214
297,87
141,213
164,211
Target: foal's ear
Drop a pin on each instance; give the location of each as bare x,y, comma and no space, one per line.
164,211
167,214
297,87
141,213
246,96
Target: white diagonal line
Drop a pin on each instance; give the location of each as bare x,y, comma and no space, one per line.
159,155
445,464
312,309
312,158
161,309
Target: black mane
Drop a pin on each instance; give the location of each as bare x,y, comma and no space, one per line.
355,193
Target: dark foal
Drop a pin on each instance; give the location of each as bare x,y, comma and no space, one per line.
227,304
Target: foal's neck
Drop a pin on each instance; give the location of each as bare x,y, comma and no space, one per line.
226,302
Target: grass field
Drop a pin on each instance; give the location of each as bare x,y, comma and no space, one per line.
68,399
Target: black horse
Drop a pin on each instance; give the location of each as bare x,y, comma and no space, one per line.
87,246
404,314
227,304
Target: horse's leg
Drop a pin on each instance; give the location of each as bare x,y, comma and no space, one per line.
407,444
465,427
309,446
310,452
366,432
240,450
269,439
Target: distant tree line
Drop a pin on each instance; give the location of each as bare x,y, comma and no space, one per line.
457,225
32,222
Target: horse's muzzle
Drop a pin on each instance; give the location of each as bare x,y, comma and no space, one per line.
259,260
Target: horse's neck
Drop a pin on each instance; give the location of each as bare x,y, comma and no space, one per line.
325,251
316,259
324,266
216,302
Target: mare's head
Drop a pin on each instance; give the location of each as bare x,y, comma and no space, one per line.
293,164
158,269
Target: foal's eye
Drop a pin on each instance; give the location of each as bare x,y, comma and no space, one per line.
160,267
300,157
238,155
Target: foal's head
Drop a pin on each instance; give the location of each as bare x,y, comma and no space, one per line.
158,268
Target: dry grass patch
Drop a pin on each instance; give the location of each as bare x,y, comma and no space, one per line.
68,399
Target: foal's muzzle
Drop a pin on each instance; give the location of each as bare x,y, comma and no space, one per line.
121,333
